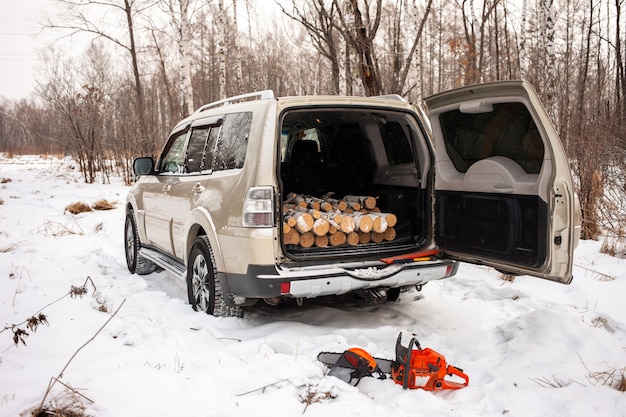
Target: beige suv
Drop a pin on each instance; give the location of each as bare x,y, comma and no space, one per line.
257,197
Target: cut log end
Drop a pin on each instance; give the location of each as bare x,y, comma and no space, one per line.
307,240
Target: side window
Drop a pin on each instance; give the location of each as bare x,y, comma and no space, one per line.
396,143
171,161
195,149
233,141
209,154
507,130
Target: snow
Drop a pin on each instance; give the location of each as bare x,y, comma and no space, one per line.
530,347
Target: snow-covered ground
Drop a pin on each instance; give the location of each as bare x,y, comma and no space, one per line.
530,347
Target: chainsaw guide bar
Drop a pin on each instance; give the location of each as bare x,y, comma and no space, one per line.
331,358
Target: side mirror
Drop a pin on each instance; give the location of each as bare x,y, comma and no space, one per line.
143,166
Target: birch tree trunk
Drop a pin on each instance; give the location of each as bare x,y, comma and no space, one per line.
550,96
238,82
221,48
184,47
523,54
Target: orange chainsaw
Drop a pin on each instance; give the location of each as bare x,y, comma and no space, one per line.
413,367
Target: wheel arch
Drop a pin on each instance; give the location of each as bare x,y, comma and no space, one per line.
200,223
139,215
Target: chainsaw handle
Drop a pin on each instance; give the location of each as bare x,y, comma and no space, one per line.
403,357
453,370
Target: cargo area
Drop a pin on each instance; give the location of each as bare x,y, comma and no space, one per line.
352,182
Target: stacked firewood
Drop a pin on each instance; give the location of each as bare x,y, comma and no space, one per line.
325,221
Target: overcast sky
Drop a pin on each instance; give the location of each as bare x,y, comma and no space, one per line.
18,43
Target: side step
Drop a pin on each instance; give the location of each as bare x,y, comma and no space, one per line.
171,265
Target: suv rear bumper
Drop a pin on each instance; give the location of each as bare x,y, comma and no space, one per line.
268,281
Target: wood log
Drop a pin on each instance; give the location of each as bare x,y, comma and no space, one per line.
333,225
303,221
390,234
320,204
365,201
316,214
362,222
337,239
289,219
307,239
300,201
321,241
347,224
379,223
290,198
312,203
337,204
390,218
321,227
354,205
352,239
377,237
356,219
334,217
287,207
364,237
292,237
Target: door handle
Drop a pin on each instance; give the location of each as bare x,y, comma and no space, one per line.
167,187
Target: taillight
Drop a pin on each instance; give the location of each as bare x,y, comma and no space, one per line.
258,207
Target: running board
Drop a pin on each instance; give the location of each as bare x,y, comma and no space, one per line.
171,265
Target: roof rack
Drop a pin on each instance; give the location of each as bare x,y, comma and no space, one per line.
257,95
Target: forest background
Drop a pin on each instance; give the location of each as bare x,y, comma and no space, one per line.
148,63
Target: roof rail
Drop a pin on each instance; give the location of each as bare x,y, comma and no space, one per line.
257,95
391,97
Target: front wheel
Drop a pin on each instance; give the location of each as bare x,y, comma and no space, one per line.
204,288
134,261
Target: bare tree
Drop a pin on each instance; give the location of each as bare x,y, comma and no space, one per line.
475,42
77,94
180,19
550,56
361,32
80,16
222,48
319,18
404,28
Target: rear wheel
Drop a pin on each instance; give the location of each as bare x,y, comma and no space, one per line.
204,288
134,261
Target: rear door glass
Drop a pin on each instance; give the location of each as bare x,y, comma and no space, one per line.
507,130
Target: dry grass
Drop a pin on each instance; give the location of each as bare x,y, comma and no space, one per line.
103,205
5,180
68,403
614,378
78,207
58,230
614,244
12,247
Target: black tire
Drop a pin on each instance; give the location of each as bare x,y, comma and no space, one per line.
204,288
136,263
